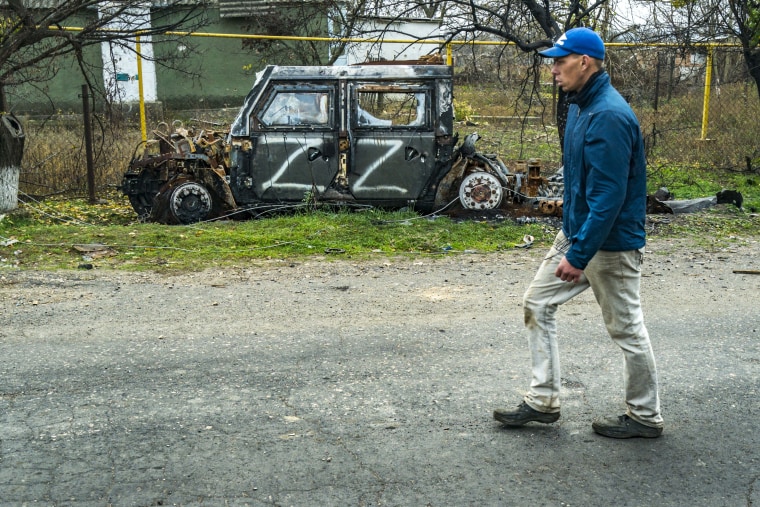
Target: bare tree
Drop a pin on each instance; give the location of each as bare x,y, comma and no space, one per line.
688,22
746,28
314,18
33,34
32,37
530,25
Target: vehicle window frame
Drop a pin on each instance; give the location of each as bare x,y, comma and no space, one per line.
257,117
426,125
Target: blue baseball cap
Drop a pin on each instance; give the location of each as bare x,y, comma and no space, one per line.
580,41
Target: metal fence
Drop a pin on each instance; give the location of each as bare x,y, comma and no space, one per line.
697,105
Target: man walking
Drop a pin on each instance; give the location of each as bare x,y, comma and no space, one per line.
601,243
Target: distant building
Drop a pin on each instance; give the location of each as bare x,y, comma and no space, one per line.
209,72
393,29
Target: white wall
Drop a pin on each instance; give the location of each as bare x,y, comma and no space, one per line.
393,30
122,61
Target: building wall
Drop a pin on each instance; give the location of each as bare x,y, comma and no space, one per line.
62,92
393,29
205,72
189,73
124,78
211,72
216,71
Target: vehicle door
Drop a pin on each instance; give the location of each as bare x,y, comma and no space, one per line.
294,134
393,141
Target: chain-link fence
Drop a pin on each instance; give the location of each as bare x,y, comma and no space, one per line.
684,120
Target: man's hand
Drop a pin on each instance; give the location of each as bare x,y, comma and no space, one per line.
567,272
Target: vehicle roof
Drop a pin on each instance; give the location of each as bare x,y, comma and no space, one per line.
367,71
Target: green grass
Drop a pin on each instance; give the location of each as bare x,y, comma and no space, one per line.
690,181
46,235
40,241
716,229
519,135
42,233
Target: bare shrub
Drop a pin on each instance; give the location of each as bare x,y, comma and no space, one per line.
55,159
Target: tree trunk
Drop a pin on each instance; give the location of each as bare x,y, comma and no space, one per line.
752,57
11,151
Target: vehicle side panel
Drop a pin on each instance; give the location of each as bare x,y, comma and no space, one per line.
294,140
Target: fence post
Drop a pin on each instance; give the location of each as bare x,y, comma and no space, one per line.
671,76
87,118
143,127
708,84
656,102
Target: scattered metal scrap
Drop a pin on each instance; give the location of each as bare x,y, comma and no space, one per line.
662,202
94,251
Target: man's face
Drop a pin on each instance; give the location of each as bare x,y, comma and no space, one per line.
571,71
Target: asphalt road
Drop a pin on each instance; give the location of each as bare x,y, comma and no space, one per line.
341,383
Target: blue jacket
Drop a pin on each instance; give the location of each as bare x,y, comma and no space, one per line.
605,174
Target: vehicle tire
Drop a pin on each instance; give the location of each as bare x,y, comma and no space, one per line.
142,204
191,202
141,189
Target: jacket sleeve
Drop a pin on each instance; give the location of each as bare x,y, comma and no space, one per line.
607,158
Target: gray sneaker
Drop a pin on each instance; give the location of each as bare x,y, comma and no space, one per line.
523,414
625,427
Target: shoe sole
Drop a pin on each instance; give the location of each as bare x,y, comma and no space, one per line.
543,418
625,434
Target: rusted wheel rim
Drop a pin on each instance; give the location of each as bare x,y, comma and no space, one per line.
480,190
190,202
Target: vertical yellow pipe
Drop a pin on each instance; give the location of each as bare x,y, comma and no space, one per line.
449,54
143,127
706,101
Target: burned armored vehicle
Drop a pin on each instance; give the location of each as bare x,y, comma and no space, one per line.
365,135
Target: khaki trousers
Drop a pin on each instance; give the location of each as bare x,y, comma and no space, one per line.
614,278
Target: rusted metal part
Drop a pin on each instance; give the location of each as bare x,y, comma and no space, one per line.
534,178
179,177
480,190
444,191
434,59
551,207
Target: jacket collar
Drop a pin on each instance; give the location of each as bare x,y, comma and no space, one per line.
586,94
